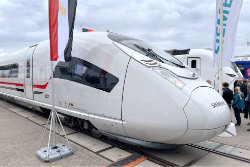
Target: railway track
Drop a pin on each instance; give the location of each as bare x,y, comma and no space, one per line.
168,162
148,153
216,151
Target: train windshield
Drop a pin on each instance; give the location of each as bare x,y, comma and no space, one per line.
146,49
236,69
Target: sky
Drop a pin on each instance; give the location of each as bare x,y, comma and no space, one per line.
168,24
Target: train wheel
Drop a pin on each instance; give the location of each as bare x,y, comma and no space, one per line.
95,132
73,122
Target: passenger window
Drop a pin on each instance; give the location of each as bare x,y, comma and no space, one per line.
193,64
9,71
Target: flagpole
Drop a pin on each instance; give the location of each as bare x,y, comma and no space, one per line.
55,151
53,114
53,104
221,48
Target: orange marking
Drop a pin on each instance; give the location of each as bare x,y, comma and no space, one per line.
131,164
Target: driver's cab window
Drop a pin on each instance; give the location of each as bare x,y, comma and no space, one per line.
79,70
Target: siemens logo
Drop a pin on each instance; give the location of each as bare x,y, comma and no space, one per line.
218,104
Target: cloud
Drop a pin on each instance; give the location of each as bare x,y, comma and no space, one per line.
22,23
167,24
2,52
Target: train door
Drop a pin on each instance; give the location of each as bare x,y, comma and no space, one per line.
195,64
29,73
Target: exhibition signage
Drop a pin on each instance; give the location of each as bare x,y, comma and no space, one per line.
231,12
61,26
248,72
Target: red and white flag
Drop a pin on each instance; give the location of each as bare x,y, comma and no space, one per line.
61,26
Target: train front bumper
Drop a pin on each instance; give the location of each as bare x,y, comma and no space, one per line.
195,136
207,110
208,115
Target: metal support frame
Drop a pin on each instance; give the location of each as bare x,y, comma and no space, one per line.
56,151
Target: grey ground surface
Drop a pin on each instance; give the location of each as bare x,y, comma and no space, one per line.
20,139
21,130
242,140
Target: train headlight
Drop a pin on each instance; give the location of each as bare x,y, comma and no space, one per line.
170,77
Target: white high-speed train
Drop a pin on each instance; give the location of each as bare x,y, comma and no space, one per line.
119,86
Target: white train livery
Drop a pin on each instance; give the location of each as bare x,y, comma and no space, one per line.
120,87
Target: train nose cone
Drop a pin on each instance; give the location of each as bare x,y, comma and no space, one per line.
207,110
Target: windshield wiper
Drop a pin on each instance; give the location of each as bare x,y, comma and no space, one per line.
151,53
175,63
161,58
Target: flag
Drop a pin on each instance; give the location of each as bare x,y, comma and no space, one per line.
87,30
231,13
61,26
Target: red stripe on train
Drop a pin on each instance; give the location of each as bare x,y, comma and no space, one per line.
8,83
18,84
41,86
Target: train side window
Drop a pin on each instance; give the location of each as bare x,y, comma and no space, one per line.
9,71
193,64
28,67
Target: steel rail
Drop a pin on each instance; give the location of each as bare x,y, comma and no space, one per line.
220,153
